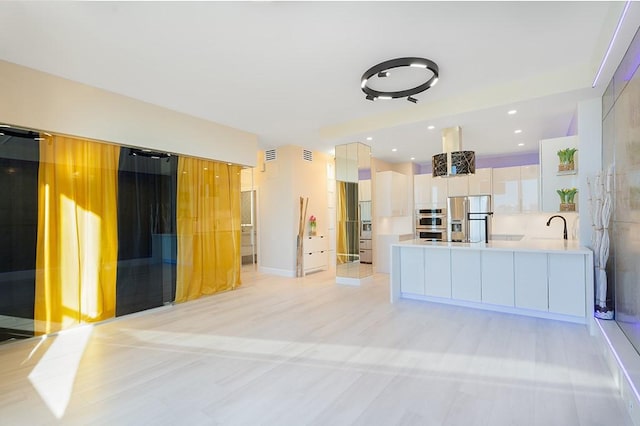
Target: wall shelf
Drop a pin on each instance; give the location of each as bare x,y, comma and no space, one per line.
567,173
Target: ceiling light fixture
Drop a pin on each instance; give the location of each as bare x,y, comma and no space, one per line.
369,138
521,144
382,70
517,131
394,149
512,112
431,127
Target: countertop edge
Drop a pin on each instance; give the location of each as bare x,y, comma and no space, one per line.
535,246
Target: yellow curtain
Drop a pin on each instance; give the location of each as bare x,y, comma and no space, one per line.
341,228
77,247
208,226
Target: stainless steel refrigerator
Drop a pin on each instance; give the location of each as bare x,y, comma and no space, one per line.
469,218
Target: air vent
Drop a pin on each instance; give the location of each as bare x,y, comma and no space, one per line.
270,155
307,155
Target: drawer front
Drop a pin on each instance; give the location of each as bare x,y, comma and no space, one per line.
365,244
315,260
318,243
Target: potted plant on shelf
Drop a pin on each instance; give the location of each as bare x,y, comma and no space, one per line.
566,159
567,195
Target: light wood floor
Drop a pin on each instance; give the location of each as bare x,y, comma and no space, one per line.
284,351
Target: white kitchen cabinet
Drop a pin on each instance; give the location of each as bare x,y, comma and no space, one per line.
515,189
391,194
429,192
506,190
497,278
480,182
437,271
527,280
529,188
465,275
412,271
458,186
566,284
422,191
531,291
315,251
364,190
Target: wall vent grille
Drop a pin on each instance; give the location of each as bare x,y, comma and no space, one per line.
270,155
307,155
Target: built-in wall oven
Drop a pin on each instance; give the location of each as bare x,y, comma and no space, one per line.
431,224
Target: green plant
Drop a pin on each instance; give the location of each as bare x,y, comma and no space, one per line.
567,195
566,155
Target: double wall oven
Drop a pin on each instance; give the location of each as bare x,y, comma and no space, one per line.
431,224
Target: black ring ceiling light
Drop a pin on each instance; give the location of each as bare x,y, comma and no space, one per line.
382,70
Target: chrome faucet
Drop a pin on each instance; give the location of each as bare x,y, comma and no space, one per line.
565,224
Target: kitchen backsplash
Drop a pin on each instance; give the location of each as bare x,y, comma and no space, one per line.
534,225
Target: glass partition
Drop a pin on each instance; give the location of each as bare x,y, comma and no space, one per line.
92,230
352,160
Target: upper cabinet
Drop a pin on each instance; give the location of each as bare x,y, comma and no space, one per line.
555,174
480,182
506,190
391,194
364,190
515,189
429,192
529,188
457,185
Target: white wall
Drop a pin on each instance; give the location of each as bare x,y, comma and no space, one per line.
280,186
41,101
590,145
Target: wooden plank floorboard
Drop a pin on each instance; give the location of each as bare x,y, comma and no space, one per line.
297,351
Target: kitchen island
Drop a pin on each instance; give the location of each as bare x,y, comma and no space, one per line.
543,278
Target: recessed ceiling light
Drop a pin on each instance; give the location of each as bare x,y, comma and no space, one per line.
413,158
369,138
521,144
511,112
394,149
431,127
517,131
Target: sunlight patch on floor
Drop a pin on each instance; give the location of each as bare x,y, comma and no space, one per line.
55,373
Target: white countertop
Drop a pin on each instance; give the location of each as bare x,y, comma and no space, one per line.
529,245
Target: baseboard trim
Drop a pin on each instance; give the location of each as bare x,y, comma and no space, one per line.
276,271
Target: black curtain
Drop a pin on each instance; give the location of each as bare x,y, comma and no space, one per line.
146,231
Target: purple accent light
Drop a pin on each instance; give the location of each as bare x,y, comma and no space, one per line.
613,39
364,174
622,367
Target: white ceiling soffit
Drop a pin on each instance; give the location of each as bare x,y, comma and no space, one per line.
290,71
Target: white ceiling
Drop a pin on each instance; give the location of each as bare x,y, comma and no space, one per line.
290,71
